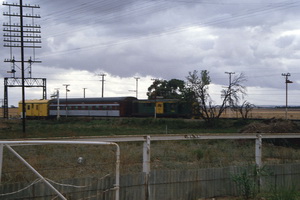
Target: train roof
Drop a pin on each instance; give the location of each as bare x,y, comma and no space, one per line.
35,101
158,100
104,99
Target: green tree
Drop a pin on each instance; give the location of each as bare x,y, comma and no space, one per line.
172,89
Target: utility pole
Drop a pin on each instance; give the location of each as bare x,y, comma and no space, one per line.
102,83
14,37
67,90
230,73
57,97
22,69
155,86
287,81
84,92
57,93
229,88
137,85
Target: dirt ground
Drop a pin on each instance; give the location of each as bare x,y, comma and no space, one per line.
272,126
223,198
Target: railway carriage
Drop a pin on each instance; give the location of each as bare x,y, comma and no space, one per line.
161,108
35,108
92,107
81,107
105,107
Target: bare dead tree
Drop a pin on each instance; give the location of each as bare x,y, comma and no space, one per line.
199,86
233,93
244,109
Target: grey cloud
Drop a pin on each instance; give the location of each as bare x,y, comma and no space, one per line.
148,37
284,41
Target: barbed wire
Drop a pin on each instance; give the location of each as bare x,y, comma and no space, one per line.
25,188
56,183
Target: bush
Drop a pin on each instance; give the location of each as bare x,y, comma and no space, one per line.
246,184
285,193
199,154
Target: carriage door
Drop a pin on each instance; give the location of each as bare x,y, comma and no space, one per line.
159,108
29,109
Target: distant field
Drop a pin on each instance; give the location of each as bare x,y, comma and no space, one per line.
256,113
266,113
12,112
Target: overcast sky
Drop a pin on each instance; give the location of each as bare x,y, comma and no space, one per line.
164,39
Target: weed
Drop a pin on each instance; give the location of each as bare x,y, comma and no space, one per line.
199,154
248,181
284,193
246,184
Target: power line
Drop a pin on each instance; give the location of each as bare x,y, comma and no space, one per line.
175,30
217,21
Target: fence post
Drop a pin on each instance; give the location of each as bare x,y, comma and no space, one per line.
1,160
146,166
258,159
117,185
258,150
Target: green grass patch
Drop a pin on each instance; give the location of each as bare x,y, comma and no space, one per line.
75,127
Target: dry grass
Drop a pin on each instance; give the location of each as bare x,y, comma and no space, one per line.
61,162
266,113
256,113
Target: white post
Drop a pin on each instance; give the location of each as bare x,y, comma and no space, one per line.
146,166
146,155
258,159
1,160
117,185
258,150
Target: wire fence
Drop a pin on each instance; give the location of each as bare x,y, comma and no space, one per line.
180,167
163,184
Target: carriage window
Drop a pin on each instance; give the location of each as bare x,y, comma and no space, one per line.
28,107
149,104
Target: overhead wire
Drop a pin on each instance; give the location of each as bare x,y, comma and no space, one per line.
251,12
107,18
104,19
179,29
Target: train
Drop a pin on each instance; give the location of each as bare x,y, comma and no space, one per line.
105,107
